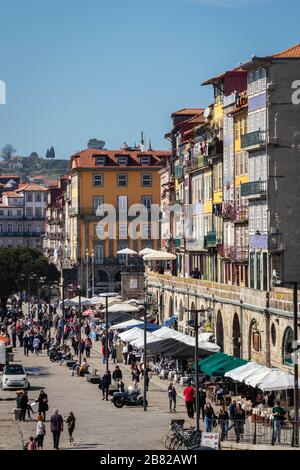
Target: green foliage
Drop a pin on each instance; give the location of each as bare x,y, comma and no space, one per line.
52,152
16,265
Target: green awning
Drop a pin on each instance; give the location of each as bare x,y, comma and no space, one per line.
211,359
220,363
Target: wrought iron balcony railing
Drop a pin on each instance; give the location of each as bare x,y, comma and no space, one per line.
253,138
254,188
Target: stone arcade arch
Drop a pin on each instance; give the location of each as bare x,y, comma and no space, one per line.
220,331
236,336
287,346
171,307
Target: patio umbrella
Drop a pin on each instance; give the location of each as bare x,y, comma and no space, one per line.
75,302
127,252
146,251
122,308
88,312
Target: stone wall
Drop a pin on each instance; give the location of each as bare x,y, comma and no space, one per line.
253,323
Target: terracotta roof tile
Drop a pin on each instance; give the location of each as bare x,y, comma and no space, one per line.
187,111
31,187
290,53
86,158
12,194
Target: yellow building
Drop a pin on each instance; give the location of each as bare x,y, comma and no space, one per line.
101,216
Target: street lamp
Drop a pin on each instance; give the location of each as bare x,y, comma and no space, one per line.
87,271
107,295
195,322
294,284
93,273
149,295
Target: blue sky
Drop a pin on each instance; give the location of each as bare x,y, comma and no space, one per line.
111,68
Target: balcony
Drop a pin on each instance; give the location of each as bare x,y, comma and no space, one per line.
20,234
215,148
253,139
238,254
210,240
228,210
73,211
241,214
178,171
198,162
176,242
254,189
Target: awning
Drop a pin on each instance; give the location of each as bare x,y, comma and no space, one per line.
159,256
240,373
283,382
170,321
220,364
127,324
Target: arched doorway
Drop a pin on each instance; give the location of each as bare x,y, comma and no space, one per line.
220,330
118,276
181,312
254,338
287,346
171,307
236,336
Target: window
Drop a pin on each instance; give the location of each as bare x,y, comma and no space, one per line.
99,254
245,163
9,213
122,203
146,179
252,270
38,228
98,180
100,160
9,228
38,212
38,197
122,179
145,160
236,129
123,160
146,231
20,228
1,212
220,175
29,197
19,212
273,334
97,202
147,201
237,164
29,229
1,228
288,340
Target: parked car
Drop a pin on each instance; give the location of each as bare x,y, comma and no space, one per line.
14,377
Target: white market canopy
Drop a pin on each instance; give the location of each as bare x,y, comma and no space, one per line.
122,308
126,324
131,334
126,251
282,382
240,373
84,301
159,256
101,300
168,341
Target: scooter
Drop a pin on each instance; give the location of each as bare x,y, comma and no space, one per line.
129,398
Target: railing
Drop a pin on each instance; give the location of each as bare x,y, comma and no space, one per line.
20,234
253,188
253,138
210,239
198,162
241,214
235,253
215,148
228,210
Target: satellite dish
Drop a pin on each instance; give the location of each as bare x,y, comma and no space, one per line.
206,113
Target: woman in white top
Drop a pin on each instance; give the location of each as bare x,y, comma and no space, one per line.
40,431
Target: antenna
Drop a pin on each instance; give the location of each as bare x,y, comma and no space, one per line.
150,145
142,138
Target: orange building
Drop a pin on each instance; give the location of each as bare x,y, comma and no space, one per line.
101,219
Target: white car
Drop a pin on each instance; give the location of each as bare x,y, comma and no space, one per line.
14,377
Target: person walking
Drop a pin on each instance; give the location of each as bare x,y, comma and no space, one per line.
117,374
40,431
278,417
88,346
26,344
223,422
135,374
71,420
21,336
189,397
106,382
23,405
14,336
239,421
57,427
125,353
209,416
43,403
113,353
172,397
75,344
36,345
232,411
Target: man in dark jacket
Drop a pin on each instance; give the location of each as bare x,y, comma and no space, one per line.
117,374
57,426
23,405
106,381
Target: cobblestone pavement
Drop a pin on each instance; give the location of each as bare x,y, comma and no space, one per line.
100,425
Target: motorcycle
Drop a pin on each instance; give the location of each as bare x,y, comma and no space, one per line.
129,398
54,354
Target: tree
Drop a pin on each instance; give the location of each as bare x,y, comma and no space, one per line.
7,152
34,156
52,152
96,144
16,265
48,153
